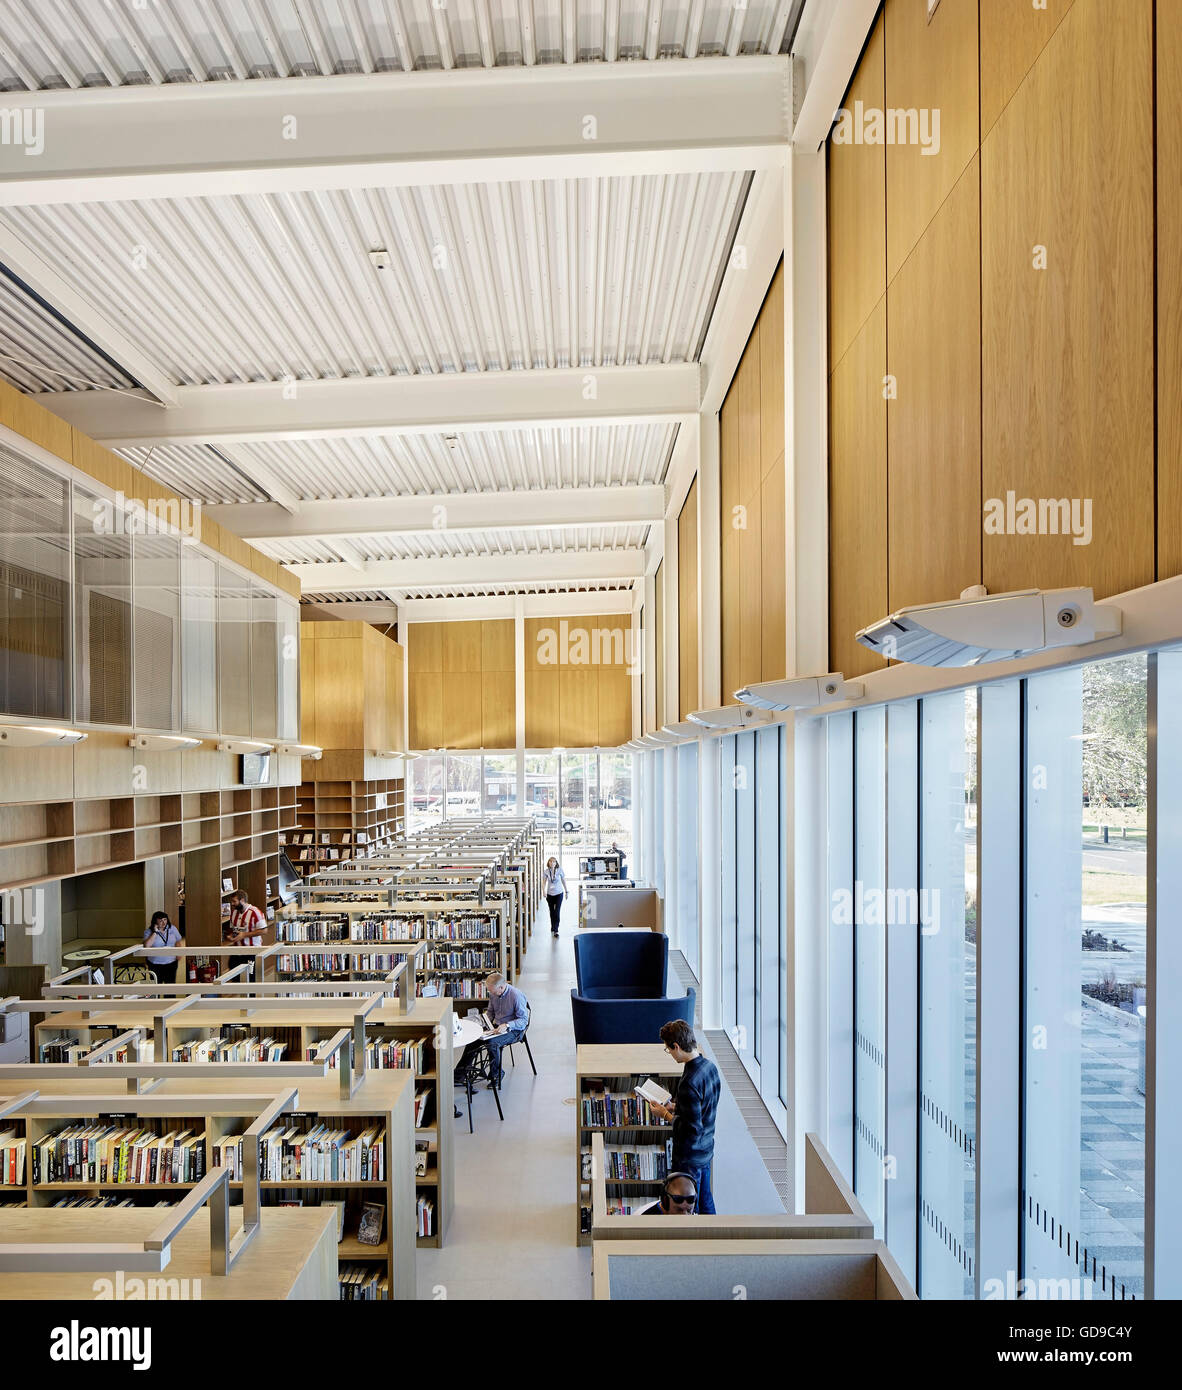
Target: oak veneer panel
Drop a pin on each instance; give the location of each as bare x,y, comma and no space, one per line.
396,694
659,634
308,668
857,496
1067,352
687,601
929,67
728,456
1012,35
751,597
730,614
541,708
578,706
773,575
1169,289
615,706
934,426
425,691
22,414
378,734
462,647
498,709
496,642
771,374
534,627
747,386
340,677
424,646
462,710
857,210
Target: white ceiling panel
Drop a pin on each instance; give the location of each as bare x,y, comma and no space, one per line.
493,277
314,549
77,43
38,352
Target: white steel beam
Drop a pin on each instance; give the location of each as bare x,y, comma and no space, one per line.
449,403
285,499
575,566
77,310
827,46
552,509
368,130
569,605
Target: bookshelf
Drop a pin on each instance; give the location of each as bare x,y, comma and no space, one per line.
301,1025
484,930
339,820
218,1111
610,1072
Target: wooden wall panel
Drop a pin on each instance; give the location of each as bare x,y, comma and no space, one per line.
746,385
462,648
308,729
1067,352
751,597
497,649
857,496
771,375
689,686
615,706
934,426
731,608
1169,289
659,585
857,211
425,691
462,710
424,646
578,706
541,708
378,735
1012,35
931,66
773,575
498,709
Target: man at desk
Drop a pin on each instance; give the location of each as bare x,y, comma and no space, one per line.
508,1012
679,1197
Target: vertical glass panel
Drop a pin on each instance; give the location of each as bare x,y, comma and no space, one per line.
746,923
289,670
687,853
157,570
541,796
463,785
948,995
102,613
657,762
870,962
34,589
615,805
782,970
1084,957
426,797
729,919
768,907
234,652
500,784
264,663
199,635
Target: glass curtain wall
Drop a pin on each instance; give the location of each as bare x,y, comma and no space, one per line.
688,816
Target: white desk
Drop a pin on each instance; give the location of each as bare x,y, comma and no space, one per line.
465,1031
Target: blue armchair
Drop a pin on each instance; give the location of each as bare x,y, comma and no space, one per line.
627,1020
621,964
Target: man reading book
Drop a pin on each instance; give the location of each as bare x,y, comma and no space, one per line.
694,1109
508,1013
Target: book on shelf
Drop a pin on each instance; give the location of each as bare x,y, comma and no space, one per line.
650,1090
422,1152
293,1154
99,1152
601,1108
12,1159
373,1218
362,1283
426,1213
422,1103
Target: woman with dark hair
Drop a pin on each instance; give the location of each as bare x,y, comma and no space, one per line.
159,934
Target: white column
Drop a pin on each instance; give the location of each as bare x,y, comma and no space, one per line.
710,884
519,696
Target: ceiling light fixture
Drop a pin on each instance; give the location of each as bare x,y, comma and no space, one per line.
38,736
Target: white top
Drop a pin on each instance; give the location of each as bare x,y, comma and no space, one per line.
167,936
555,882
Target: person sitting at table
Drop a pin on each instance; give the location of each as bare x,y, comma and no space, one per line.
508,1009
160,933
679,1197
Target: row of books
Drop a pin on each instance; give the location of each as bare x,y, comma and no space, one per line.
338,962
78,1200
451,988
384,1053
12,1159
426,1214
345,837
634,1162
618,1110
363,1283
320,1154
108,1153
262,1049
312,929
462,960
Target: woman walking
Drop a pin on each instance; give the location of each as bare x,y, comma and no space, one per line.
555,884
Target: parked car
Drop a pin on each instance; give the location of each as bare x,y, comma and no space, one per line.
548,819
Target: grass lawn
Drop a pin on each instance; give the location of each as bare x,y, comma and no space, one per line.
1101,887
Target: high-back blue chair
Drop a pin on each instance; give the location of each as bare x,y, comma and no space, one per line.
627,1020
621,964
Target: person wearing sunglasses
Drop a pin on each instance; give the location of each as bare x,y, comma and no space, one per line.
679,1197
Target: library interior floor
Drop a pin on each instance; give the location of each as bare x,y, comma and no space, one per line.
513,1180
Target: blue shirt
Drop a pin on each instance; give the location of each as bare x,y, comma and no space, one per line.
694,1111
508,1007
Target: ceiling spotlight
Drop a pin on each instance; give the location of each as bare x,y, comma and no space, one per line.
731,717
803,693
975,630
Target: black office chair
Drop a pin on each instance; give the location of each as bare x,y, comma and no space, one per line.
474,1067
525,1039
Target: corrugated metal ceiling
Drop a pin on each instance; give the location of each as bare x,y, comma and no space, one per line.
313,550
38,352
76,43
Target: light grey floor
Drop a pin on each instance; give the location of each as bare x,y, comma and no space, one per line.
513,1232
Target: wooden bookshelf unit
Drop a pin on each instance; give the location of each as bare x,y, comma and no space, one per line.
613,1070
